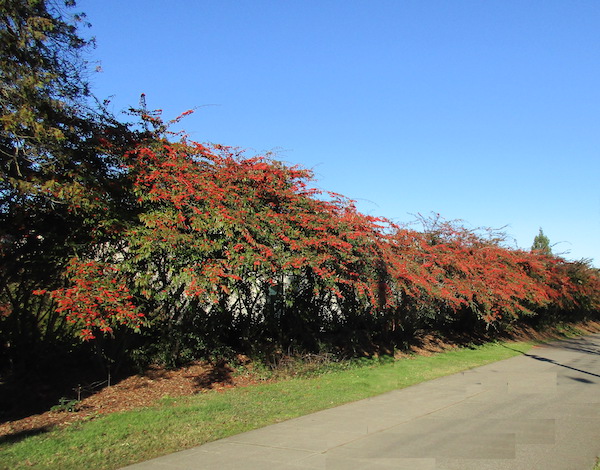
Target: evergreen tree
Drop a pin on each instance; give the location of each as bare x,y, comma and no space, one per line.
541,244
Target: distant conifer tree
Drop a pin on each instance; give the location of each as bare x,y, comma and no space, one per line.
541,244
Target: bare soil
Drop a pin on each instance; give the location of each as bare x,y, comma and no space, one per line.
143,390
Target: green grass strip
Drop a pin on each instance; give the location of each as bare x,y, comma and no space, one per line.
120,439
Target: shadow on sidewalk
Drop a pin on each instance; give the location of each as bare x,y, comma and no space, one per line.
551,361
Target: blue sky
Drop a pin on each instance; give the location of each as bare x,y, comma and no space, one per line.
485,111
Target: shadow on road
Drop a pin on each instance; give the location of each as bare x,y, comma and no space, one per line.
551,361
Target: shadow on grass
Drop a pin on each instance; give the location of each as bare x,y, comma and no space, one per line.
19,436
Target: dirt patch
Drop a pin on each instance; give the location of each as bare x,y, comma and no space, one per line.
428,344
528,333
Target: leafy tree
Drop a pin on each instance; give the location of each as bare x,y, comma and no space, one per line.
541,244
61,186
220,236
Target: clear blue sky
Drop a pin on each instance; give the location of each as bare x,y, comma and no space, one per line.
486,111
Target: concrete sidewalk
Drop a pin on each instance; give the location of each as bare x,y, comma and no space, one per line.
537,411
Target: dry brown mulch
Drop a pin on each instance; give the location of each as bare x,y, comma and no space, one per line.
145,389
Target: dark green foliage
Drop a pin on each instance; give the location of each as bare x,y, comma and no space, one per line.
61,187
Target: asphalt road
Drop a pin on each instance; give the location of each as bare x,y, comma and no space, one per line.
536,411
